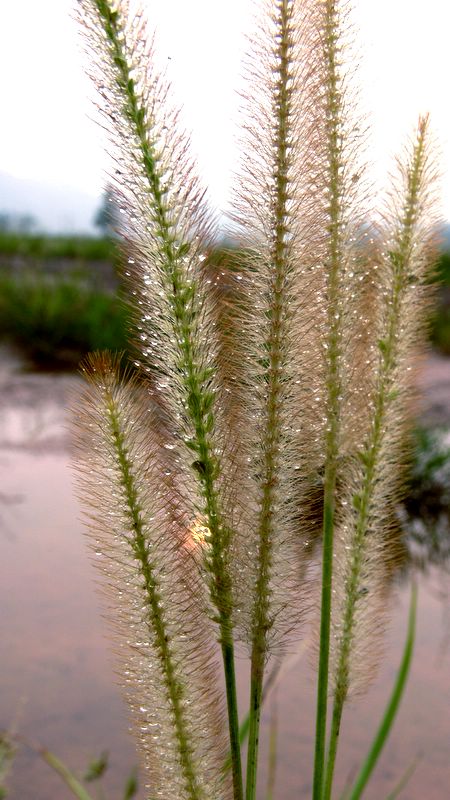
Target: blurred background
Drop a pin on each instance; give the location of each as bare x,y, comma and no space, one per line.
60,298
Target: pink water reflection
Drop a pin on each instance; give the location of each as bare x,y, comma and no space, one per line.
57,677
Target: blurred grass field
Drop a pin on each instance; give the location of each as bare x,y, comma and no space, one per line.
83,248
59,298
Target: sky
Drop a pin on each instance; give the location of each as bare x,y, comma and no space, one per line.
47,133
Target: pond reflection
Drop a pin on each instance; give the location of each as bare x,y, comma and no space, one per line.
57,677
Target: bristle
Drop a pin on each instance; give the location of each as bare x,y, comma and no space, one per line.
156,605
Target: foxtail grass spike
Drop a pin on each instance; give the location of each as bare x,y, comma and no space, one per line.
166,230
156,605
277,285
274,217
365,525
164,219
273,397
342,181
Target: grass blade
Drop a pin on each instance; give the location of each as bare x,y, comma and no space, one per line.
131,786
68,777
392,706
404,780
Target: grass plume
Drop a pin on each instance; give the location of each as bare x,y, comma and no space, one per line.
140,535
166,227
249,433
276,201
362,554
341,204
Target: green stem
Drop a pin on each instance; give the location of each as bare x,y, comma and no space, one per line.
233,716
404,780
256,684
332,748
221,594
245,724
273,743
325,620
67,776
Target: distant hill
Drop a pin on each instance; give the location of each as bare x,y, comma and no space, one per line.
56,209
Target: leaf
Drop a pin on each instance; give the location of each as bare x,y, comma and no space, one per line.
68,777
391,708
404,780
131,785
96,768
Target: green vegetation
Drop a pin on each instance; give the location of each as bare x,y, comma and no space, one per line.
9,743
443,269
56,321
440,317
57,316
440,328
82,248
7,753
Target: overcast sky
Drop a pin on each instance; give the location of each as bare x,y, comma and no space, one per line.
46,133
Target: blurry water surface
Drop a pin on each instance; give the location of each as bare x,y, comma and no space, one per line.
57,682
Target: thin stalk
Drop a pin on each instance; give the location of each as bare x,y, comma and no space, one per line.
233,715
333,380
370,456
71,781
277,299
273,743
404,780
221,597
76,788
325,624
332,748
245,724
256,683
198,398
